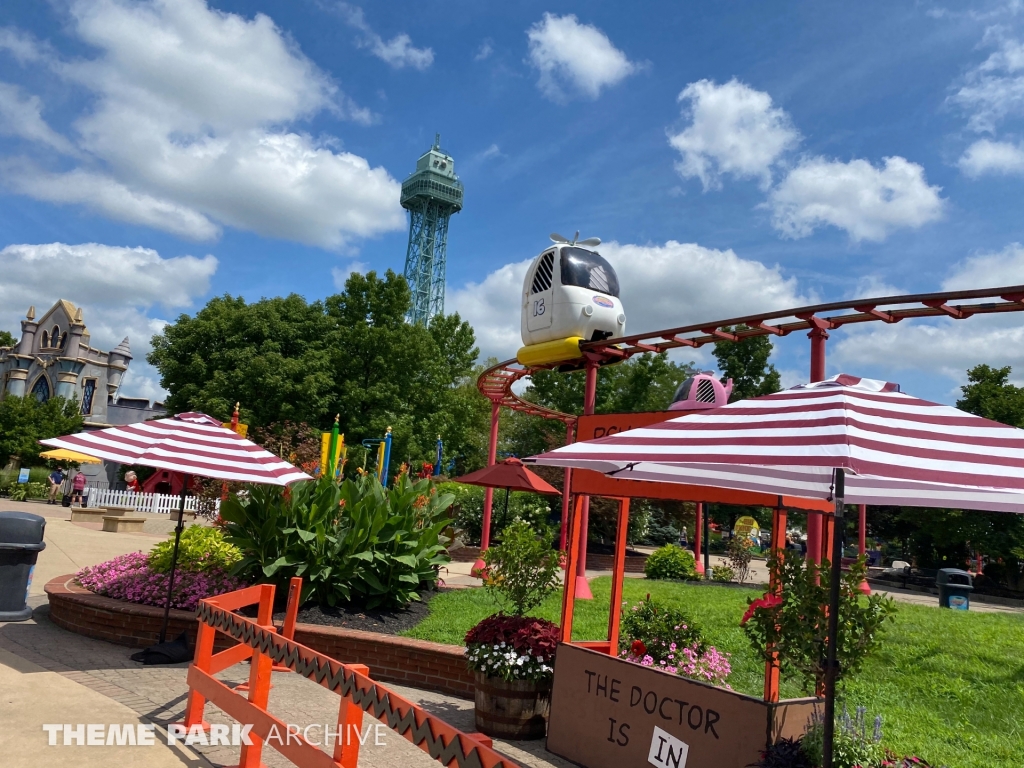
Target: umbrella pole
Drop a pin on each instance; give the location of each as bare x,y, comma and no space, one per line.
504,514
831,666
174,559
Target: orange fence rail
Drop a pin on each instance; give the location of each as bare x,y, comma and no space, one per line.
259,640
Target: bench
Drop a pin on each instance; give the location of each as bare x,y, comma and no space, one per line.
94,514
121,524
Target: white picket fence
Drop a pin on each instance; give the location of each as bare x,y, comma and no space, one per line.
160,503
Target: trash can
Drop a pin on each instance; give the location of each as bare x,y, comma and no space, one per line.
21,541
955,587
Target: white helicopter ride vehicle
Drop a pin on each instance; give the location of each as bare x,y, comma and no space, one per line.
570,295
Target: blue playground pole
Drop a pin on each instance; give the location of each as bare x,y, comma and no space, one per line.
387,458
437,464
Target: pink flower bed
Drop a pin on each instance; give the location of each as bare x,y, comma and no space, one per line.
130,578
711,666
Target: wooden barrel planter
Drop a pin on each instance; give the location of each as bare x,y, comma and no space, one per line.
512,709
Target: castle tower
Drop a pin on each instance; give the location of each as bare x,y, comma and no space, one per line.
430,195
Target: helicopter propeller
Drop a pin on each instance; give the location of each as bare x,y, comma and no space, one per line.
590,241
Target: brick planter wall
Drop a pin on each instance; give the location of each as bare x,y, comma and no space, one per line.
416,663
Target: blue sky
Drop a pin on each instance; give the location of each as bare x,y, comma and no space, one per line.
734,157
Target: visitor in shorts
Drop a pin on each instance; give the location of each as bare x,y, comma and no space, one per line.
56,478
77,485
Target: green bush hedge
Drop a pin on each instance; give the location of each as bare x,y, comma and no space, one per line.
671,562
201,548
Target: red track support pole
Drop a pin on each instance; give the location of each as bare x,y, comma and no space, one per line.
589,400
818,336
492,457
569,591
698,531
862,540
618,575
566,485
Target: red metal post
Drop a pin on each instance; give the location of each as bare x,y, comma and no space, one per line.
589,401
566,485
618,574
771,668
862,540
818,336
698,536
569,593
492,457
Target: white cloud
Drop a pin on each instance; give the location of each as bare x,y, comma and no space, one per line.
339,275
108,197
944,347
994,90
189,128
580,56
22,46
22,116
399,51
988,270
114,286
733,129
867,201
992,157
663,286
485,50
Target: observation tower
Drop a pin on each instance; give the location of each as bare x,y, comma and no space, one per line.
431,195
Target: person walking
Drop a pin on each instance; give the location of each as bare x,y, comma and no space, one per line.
56,478
78,486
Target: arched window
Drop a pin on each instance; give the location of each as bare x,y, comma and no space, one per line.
55,336
46,340
63,339
41,389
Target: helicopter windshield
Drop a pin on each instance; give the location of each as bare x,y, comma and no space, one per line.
588,269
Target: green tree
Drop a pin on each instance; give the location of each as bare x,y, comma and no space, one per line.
746,363
354,354
24,421
990,395
7,339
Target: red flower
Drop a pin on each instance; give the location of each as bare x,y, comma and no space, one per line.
767,601
638,648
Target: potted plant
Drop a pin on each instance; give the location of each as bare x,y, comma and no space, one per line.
511,654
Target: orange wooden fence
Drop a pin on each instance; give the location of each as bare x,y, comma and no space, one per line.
259,640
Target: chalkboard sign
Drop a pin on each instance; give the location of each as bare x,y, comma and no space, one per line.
610,713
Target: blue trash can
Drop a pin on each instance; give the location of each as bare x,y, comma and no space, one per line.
21,541
955,587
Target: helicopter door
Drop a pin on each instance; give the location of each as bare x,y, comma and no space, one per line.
539,309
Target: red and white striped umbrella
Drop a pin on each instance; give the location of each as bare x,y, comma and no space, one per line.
192,443
896,449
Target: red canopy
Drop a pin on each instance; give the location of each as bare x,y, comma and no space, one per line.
190,443
510,474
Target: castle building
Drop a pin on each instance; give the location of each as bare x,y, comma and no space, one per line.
54,358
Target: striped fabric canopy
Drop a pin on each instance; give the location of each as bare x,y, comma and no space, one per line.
896,449
192,443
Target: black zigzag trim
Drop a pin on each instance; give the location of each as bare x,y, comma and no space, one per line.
376,700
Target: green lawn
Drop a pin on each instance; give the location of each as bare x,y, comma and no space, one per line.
949,685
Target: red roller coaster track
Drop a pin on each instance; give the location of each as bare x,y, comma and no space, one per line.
496,382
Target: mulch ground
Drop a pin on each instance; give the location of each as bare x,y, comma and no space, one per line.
388,622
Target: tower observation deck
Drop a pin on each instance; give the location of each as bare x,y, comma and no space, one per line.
431,195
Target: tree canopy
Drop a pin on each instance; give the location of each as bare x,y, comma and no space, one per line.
746,363
990,395
352,354
7,339
24,421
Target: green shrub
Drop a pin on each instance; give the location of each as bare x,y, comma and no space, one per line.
722,573
468,510
795,625
671,562
201,549
853,745
740,554
661,630
357,541
523,569
36,490
18,492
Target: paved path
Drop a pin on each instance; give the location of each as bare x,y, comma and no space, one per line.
92,681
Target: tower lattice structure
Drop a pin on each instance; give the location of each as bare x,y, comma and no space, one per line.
431,195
